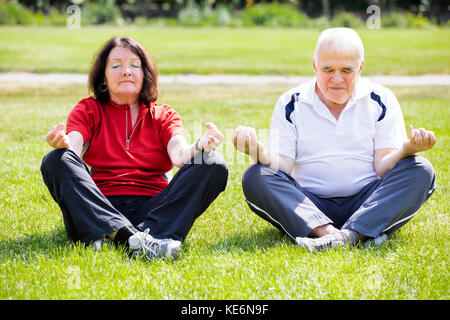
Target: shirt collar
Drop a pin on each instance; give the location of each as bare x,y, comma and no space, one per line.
362,88
123,106
308,92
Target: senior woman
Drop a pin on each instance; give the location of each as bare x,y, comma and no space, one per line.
130,143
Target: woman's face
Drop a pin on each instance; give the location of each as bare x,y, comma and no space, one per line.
123,75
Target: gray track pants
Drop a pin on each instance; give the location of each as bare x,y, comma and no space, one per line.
381,207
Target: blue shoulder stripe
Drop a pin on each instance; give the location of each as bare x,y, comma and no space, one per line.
290,107
377,98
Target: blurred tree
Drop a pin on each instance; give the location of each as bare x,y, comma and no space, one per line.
326,8
436,9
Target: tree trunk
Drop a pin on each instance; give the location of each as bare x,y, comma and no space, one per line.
326,8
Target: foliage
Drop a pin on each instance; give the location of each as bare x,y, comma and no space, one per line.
53,18
346,19
205,14
14,13
405,20
273,15
194,15
418,21
394,19
101,12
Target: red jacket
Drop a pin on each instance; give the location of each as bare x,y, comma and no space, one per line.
126,160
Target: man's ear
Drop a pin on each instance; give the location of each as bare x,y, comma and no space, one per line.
361,67
314,64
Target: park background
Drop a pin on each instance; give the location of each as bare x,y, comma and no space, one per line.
230,253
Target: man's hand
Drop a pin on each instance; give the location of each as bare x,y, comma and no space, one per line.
244,140
419,140
211,139
57,138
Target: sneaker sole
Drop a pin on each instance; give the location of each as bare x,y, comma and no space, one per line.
308,244
305,243
173,252
378,241
134,243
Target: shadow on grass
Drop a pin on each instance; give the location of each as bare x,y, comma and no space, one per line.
49,243
272,237
27,246
268,238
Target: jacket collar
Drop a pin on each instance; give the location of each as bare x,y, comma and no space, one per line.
124,106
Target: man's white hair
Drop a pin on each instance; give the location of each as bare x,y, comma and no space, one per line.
341,41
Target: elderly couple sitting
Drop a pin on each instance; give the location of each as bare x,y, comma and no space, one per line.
338,167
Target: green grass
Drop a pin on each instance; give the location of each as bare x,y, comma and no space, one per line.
221,50
230,253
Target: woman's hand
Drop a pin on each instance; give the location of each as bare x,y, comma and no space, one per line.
180,151
211,139
57,138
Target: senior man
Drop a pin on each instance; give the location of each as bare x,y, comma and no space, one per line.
338,167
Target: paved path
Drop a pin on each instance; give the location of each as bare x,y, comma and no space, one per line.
194,79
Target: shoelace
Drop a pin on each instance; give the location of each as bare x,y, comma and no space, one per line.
150,246
327,241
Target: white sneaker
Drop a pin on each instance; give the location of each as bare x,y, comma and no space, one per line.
333,240
142,243
378,241
96,245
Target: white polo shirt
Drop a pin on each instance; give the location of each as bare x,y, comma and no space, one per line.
335,158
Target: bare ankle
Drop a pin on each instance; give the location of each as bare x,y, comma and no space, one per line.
112,236
355,233
323,230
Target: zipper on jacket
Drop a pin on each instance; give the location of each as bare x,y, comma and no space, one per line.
128,138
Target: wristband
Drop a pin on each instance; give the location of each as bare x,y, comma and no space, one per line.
196,147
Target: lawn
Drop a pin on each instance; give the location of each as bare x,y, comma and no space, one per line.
230,253
221,50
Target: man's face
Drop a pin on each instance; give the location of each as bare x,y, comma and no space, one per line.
336,76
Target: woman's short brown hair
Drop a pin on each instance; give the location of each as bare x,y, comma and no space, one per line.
96,83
